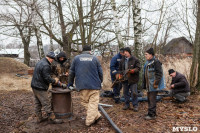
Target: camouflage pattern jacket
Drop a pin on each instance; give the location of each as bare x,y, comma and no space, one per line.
59,70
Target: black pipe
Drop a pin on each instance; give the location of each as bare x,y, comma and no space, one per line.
109,119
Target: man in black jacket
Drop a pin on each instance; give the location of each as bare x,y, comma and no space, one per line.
179,86
40,84
129,68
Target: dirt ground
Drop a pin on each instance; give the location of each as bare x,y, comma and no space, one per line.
17,109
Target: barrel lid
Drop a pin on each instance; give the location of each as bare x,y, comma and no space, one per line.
59,90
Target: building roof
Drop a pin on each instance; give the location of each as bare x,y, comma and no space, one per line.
19,52
178,45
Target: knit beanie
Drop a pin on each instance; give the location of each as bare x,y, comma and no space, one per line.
62,54
51,55
150,51
171,71
86,48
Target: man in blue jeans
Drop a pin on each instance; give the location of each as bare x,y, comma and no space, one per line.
130,67
114,70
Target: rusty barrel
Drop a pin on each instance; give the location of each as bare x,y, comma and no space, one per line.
61,102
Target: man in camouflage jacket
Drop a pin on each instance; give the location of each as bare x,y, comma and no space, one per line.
60,68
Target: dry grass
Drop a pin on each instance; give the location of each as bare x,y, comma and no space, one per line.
181,65
11,82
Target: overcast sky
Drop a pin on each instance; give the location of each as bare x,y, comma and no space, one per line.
174,10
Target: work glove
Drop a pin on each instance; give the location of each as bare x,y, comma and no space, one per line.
114,72
132,71
59,84
56,80
155,84
64,86
118,76
70,86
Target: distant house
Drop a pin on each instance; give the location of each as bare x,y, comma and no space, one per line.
178,46
14,53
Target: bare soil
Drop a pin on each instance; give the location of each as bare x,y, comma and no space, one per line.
17,109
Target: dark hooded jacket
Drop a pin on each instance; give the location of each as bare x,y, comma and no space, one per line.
59,68
180,84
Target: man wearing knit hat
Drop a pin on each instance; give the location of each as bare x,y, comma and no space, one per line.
153,81
40,84
129,68
180,88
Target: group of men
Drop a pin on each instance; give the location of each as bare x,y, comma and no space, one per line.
125,68
87,72
85,69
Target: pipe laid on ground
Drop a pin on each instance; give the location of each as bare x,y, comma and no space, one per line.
106,105
109,119
141,99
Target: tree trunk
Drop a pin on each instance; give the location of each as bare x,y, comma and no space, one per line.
39,42
25,42
81,23
50,27
26,54
137,29
195,68
138,35
116,22
91,22
65,37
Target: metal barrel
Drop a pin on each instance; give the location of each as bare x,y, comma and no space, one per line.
61,102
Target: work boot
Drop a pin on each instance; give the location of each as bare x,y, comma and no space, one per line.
40,118
149,117
55,121
97,120
126,107
117,99
52,119
135,109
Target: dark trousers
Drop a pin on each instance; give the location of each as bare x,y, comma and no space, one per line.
152,103
134,94
42,100
181,96
117,88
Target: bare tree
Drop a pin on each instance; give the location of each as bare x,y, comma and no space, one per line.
116,22
137,28
195,68
34,21
17,24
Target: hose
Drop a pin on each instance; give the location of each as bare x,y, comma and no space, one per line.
109,119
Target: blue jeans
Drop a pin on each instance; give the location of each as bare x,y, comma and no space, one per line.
134,94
